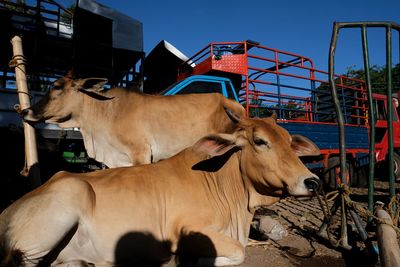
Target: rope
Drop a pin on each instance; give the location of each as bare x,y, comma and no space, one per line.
328,216
393,209
17,61
393,214
332,195
344,192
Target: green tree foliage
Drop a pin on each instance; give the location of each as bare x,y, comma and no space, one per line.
259,109
18,5
66,16
378,78
289,110
292,110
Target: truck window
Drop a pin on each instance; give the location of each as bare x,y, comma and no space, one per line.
201,87
380,110
229,90
395,110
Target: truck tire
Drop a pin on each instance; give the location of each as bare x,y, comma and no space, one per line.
332,172
360,175
396,166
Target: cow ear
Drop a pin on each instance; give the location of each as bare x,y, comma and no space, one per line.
58,84
93,87
92,84
216,144
304,146
274,115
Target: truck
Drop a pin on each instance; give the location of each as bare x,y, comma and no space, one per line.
264,79
203,84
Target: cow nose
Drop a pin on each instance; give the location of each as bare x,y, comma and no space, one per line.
24,112
312,184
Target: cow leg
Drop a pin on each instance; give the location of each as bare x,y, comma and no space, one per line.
211,248
42,223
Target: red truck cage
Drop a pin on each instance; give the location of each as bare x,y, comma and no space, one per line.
269,79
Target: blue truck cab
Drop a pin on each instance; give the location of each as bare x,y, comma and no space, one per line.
203,84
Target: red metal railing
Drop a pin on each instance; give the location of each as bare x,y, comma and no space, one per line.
282,81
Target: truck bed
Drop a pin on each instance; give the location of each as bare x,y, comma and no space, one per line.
326,136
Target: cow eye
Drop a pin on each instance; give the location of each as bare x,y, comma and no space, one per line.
260,142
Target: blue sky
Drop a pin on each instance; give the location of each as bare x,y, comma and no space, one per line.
299,26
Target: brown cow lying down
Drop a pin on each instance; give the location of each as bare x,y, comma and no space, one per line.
124,128
198,204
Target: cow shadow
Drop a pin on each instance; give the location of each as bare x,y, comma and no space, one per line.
144,250
13,184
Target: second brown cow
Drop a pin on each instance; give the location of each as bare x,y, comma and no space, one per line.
125,128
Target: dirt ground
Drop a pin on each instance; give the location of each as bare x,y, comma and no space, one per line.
303,246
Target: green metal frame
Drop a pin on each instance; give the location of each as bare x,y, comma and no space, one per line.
389,26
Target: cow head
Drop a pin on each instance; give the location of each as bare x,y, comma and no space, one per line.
269,156
64,100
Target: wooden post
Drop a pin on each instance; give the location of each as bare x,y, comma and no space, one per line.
31,168
389,251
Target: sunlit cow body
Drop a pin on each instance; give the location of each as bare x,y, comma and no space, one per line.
199,203
125,128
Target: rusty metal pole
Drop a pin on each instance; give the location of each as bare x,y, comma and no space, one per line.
389,251
31,168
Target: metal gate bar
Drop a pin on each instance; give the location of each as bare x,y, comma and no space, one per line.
389,26
371,118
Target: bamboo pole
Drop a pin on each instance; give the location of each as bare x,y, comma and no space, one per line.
31,168
389,251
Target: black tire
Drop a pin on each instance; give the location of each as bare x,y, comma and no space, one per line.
360,177
384,168
396,166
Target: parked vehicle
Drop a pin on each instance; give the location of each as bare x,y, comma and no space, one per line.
267,79
203,84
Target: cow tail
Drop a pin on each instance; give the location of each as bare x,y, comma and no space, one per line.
12,258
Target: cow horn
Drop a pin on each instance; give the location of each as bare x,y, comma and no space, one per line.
93,84
96,94
274,115
231,115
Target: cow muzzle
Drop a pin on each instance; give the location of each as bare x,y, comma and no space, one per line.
27,115
312,184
